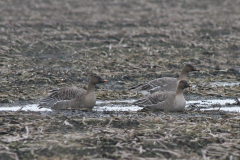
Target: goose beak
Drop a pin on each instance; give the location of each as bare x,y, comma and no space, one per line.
189,87
103,80
195,69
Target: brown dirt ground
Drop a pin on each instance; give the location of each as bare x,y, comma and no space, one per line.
54,43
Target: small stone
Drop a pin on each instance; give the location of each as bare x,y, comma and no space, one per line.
22,98
6,101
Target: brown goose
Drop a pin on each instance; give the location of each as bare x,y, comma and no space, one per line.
164,84
72,97
169,101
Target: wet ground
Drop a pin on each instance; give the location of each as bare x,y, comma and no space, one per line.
50,44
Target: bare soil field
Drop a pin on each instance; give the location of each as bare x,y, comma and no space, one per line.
48,44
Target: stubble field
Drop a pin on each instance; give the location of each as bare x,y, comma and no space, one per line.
49,44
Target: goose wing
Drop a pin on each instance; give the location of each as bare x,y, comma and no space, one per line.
160,84
60,95
154,99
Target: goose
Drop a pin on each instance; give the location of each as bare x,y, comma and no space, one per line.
72,97
163,84
165,101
